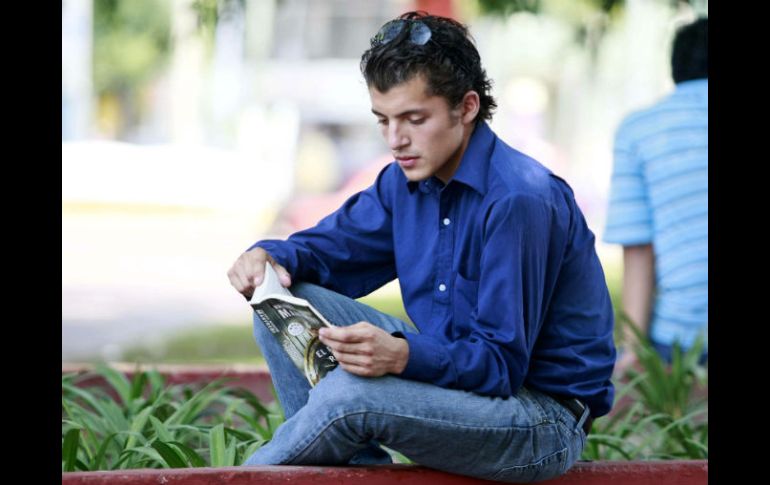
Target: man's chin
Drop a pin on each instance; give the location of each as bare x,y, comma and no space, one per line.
414,175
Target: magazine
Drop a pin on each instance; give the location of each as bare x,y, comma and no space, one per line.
295,323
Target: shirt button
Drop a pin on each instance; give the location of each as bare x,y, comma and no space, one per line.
446,222
442,287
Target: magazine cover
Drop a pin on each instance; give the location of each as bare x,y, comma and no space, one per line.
295,323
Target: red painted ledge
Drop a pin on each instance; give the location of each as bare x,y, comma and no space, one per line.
690,472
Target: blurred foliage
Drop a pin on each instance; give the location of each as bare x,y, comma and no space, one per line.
216,344
590,19
207,13
390,304
504,8
660,410
131,43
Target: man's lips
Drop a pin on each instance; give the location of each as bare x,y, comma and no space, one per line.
407,162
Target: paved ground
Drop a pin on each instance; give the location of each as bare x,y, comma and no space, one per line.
134,275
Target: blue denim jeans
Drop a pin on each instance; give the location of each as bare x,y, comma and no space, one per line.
522,438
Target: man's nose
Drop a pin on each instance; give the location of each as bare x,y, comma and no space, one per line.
396,137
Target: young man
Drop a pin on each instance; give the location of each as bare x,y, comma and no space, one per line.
658,206
513,352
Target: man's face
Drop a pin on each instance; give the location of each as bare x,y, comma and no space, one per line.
424,135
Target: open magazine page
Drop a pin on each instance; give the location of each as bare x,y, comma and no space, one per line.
295,323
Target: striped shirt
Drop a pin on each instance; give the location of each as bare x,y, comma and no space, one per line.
659,195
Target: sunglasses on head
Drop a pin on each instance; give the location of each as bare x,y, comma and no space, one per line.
419,33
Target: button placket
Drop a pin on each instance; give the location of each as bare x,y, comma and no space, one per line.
444,259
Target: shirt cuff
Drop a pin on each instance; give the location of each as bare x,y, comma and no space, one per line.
424,362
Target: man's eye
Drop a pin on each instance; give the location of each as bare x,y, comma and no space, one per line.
418,121
382,121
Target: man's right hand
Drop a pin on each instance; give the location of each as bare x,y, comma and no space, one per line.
249,269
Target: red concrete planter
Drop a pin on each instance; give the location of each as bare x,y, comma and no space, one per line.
583,473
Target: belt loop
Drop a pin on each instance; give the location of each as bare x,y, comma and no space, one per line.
583,417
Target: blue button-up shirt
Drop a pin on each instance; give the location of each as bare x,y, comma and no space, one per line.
497,268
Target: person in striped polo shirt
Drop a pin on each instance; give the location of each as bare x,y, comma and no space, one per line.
658,207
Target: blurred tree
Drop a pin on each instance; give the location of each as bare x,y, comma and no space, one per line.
508,7
590,18
207,12
131,45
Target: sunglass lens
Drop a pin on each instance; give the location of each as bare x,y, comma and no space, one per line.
390,30
419,33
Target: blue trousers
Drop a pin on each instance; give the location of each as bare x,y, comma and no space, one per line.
345,417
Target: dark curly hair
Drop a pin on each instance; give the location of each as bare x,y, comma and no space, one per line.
449,61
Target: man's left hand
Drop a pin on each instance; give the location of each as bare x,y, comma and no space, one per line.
366,350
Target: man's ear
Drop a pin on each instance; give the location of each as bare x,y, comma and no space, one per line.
470,106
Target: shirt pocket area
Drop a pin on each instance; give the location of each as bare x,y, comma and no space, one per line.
464,302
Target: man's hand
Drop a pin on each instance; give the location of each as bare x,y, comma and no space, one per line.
249,269
366,350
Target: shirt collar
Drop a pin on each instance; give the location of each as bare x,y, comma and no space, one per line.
474,165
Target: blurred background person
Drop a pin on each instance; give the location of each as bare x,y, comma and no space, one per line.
658,207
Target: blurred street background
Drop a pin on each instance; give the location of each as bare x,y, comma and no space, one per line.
193,128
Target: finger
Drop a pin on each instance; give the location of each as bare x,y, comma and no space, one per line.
358,370
354,359
349,348
258,274
283,275
238,279
241,284
350,334
362,348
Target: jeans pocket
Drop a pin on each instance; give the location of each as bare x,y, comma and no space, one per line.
549,467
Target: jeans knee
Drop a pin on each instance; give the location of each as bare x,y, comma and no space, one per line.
348,392
348,401
307,291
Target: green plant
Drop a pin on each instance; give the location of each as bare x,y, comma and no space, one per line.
217,343
151,425
666,418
